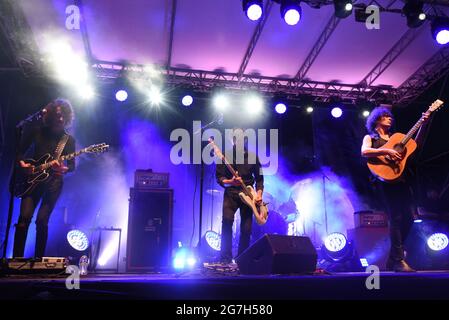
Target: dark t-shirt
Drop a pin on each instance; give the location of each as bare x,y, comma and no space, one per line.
38,141
250,173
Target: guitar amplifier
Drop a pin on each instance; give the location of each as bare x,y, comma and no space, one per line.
370,219
149,229
147,179
45,265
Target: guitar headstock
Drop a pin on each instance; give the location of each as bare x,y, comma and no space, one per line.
435,105
97,148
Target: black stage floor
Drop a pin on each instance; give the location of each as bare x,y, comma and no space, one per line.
201,286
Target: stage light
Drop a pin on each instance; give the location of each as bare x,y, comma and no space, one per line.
213,239
280,108
413,10
184,258
438,241
253,9
86,92
221,102
187,100
335,242
309,109
417,220
155,96
336,112
121,95
210,246
78,240
254,104
364,262
343,8
366,113
291,11
440,30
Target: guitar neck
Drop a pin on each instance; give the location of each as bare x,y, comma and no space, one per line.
70,156
234,173
412,131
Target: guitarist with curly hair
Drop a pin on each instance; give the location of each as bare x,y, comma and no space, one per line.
37,141
396,195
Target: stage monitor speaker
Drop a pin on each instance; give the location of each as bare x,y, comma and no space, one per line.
278,254
149,230
372,244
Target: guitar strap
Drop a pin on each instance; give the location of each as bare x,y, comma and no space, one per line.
61,145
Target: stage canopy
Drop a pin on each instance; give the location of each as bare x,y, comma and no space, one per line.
214,38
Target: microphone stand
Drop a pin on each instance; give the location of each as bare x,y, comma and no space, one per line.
18,136
200,131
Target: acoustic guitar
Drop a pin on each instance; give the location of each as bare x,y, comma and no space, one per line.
388,169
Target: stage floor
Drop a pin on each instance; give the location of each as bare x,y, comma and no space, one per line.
203,286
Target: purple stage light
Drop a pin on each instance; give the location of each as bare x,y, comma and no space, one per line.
440,30
280,108
291,12
253,9
187,100
121,95
438,241
336,112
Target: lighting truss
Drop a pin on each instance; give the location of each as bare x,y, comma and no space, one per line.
205,81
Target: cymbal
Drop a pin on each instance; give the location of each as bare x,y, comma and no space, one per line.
214,192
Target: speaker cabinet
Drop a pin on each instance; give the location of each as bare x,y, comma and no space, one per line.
278,254
372,244
149,229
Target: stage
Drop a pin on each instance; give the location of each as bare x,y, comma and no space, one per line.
203,285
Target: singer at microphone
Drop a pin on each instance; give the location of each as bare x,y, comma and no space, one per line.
40,139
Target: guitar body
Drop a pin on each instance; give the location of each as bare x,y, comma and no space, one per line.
260,211
26,183
389,170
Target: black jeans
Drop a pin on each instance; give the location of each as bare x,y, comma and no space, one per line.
400,207
232,202
49,193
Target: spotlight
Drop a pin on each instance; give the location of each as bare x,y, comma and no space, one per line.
187,100
86,92
336,112
366,113
78,240
291,11
253,9
254,104
155,96
414,13
184,258
440,30
121,95
280,108
210,246
221,102
335,242
343,8
438,241
309,109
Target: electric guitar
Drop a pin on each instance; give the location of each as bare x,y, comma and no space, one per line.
248,194
26,182
388,169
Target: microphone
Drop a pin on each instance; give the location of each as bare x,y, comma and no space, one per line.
34,117
37,116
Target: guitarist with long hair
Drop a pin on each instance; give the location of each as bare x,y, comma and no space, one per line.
40,140
396,195
249,173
